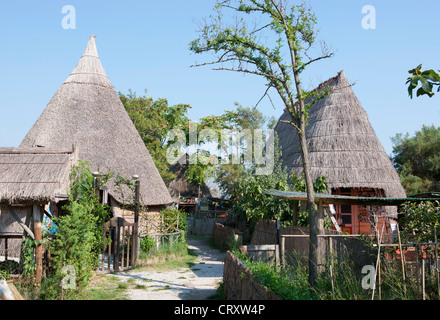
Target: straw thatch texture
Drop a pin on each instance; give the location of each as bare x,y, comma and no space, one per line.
342,144
35,175
86,111
180,185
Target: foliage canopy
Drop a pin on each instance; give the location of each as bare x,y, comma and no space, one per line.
417,159
153,120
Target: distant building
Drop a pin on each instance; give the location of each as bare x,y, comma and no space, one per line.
344,148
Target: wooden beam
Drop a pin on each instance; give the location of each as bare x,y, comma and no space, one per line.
21,224
332,218
36,150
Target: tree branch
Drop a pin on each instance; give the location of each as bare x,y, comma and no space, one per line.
267,90
291,123
270,76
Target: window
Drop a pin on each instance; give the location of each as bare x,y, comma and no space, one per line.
345,208
346,219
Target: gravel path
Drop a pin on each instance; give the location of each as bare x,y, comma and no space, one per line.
198,282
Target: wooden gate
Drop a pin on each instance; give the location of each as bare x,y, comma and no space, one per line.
119,245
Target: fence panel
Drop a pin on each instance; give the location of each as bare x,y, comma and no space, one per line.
119,251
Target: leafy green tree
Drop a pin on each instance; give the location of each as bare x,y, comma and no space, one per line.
153,120
197,174
417,160
242,118
209,164
78,240
420,221
289,32
250,201
428,79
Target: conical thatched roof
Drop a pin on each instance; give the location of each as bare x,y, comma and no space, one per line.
342,144
86,111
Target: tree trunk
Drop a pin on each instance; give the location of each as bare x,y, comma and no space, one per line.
315,219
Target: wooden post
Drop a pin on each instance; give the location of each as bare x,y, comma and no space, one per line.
128,246
118,242
295,213
379,240
402,259
38,233
423,279
97,182
417,268
321,242
283,250
402,256
330,244
109,248
103,250
123,246
436,261
135,236
6,249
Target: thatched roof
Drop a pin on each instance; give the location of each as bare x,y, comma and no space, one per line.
342,144
36,175
180,186
86,111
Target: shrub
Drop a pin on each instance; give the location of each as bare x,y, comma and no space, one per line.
147,243
78,240
173,220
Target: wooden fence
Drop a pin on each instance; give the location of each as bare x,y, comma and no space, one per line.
294,244
240,284
202,225
267,253
222,235
121,250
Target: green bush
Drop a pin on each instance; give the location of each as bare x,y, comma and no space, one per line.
173,221
147,243
288,284
79,237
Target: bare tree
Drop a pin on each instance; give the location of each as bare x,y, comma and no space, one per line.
276,48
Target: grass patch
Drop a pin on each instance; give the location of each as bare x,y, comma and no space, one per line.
140,286
167,287
104,287
168,258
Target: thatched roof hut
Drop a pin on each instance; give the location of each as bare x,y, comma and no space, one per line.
29,178
180,186
86,111
36,175
342,144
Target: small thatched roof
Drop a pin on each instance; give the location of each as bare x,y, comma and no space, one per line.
342,144
36,175
86,111
180,186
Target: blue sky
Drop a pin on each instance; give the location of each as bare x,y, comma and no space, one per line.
144,45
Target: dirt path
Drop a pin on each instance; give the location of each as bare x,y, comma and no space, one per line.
198,282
